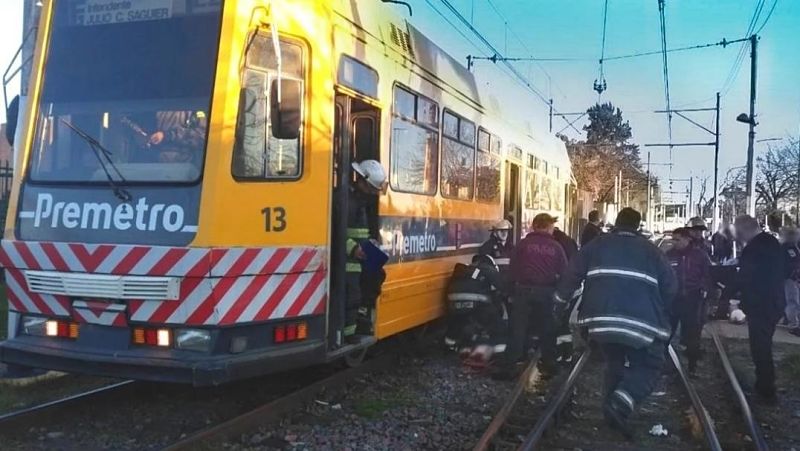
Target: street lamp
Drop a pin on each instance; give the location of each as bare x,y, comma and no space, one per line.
751,180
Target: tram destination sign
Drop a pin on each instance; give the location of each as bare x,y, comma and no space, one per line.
108,12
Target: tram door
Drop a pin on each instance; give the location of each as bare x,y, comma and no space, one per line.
513,206
356,138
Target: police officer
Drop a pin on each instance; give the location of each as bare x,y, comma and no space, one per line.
536,265
363,287
697,229
693,270
476,313
499,245
789,238
628,289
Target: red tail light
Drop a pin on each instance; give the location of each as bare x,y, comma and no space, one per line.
285,333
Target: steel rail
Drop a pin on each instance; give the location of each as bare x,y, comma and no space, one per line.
702,413
276,408
11,421
556,404
755,431
502,415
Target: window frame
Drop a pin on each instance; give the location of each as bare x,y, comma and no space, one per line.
415,121
473,146
304,66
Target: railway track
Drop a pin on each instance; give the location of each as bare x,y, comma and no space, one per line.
24,419
506,431
276,408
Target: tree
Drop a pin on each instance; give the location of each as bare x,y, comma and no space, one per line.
776,182
606,151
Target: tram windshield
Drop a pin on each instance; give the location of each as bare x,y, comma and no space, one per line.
136,77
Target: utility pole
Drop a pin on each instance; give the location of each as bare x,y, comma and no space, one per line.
797,201
647,215
715,219
691,195
551,115
751,179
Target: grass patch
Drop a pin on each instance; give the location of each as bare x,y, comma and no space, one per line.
3,313
375,407
791,366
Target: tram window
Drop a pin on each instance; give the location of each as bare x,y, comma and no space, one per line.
258,154
488,177
358,76
497,145
458,158
450,126
414,154
484,140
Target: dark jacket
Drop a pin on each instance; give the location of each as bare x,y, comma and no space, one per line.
501,253
538,261
628,290
567,243
476,283
791,262
722,246
761,276
692,269
589,233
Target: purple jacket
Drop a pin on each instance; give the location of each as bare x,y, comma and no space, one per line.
692,268
538,260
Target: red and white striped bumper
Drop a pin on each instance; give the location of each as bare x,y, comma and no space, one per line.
218,286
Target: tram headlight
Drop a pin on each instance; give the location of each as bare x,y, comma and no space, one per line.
193,339
34,325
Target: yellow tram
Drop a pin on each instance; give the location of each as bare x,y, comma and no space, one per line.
207,252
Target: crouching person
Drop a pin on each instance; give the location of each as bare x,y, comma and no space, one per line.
477,317
628,288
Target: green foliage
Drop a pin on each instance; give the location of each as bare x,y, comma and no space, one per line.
375,407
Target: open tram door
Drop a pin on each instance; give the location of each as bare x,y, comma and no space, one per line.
356,138
513,207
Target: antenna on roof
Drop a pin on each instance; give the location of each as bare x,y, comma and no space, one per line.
399,2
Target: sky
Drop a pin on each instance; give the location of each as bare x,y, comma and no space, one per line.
573,29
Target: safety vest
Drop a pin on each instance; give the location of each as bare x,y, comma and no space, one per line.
357,230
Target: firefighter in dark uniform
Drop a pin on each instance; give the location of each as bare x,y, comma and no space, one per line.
363,287
627,295
476,311
499,245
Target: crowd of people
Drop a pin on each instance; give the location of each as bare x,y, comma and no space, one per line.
632,299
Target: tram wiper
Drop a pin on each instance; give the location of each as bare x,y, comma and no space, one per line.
104,158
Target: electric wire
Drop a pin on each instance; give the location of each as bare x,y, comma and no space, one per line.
663,23
769,15
737,65
600,84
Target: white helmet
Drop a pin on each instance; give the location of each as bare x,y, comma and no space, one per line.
502,224
372,171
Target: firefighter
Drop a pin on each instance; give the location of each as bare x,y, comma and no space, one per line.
628,289
499,245
363,284
476,312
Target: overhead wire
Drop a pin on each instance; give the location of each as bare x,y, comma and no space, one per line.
663,23
737,64
521,41
769,15
600,84
520,78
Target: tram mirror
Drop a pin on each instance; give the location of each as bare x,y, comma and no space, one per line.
285,108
